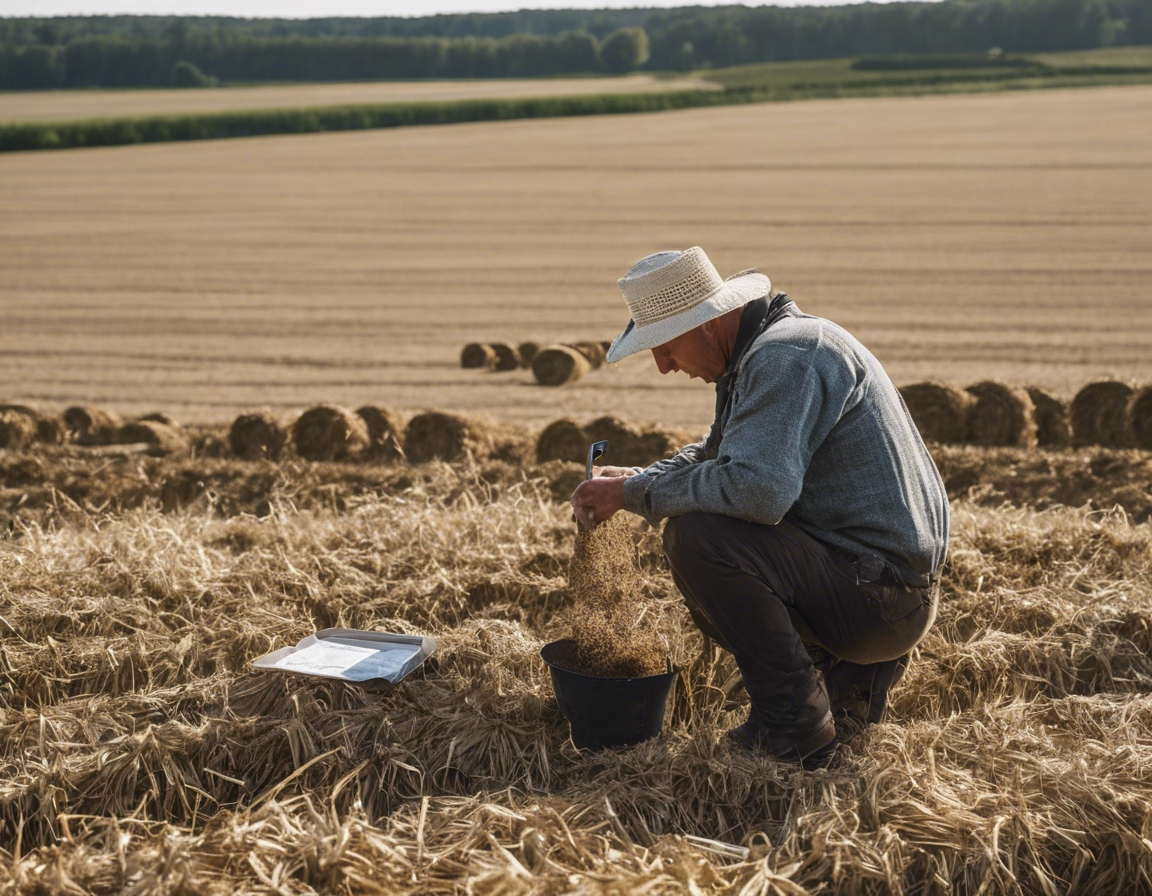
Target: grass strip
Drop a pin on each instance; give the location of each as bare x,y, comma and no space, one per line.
750,88
211,126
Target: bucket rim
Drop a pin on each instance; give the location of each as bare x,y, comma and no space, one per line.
672,670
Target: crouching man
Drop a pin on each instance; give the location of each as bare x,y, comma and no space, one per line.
807,530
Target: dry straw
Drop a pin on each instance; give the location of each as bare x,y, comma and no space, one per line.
257,435
559,365
611,635
1001,415
1099,414
91,425
138,752
1051,414
939,410
329,432
478,356
1140,418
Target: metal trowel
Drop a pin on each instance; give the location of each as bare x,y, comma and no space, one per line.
595,451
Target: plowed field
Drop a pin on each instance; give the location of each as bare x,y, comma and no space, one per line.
1005,236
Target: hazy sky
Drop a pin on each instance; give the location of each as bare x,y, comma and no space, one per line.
316,8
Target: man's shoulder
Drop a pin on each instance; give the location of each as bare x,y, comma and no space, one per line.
800,337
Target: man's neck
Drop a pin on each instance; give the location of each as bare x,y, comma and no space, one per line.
728,330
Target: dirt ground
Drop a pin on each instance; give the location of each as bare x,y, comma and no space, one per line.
64,105
1005,236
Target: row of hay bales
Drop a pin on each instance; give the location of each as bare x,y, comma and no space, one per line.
1109,413
331,433
22,425
551,365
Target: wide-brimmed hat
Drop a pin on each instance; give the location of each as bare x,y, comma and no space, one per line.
670,293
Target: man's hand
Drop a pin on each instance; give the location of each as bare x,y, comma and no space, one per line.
598,499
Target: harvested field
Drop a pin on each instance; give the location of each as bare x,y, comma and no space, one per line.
962,238
140,753
70,105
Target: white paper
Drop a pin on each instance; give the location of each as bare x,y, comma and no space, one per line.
324,658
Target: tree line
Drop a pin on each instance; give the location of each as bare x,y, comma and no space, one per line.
199,59
126,51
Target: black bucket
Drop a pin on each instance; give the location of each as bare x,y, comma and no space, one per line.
608,712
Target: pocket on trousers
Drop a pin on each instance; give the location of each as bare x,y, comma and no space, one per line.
900,604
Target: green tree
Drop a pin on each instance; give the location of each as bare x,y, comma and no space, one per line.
624,50
185,74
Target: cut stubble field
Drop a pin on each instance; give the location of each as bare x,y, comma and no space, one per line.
1005,236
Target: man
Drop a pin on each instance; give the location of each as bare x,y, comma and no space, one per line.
811,523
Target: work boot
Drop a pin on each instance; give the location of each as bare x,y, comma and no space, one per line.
858,694
812,751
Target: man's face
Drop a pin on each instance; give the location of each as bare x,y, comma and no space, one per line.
696,353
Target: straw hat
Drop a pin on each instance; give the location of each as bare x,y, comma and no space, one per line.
670,293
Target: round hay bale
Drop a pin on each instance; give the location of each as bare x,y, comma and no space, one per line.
563,478
161,438
558,365
1140,418
606,344
385,431
438,436
562,440
181,490
17,430
593,351
1100,414
509,443
92,426
161,417
527,351
507,357
329,432
1000,415
630,445
477,356
1051,415
51,430
257,435
939,410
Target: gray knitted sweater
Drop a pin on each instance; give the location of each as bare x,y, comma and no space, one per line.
814,431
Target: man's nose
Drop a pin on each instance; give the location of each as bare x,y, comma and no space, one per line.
664,364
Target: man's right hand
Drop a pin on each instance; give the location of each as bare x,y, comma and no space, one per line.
598,499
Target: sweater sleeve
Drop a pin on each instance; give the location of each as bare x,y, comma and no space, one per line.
685,457
784,405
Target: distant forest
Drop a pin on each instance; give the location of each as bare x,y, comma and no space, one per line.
136,51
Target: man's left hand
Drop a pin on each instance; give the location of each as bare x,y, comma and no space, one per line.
597,500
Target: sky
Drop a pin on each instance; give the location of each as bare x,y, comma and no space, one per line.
317,8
